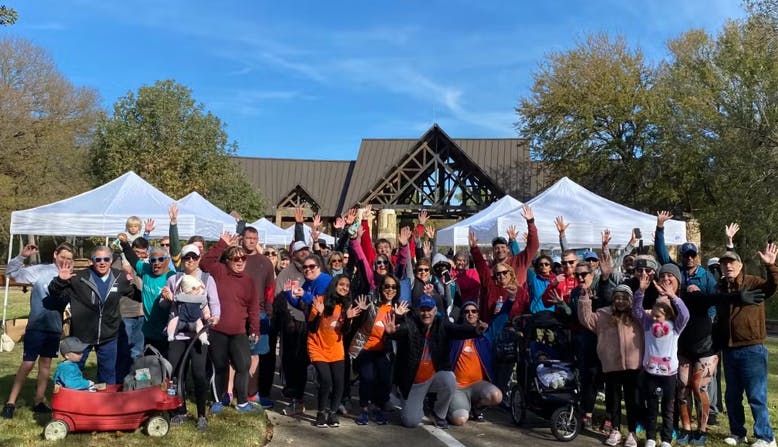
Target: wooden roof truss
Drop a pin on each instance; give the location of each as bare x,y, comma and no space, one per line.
298,197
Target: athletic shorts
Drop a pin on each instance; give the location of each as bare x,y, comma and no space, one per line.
40,344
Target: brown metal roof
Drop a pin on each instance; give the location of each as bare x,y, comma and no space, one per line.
324,180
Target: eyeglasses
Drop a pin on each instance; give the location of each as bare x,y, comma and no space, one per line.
310,266
581,274
334,260
420,270
164,244
190,258
238,258
271,253
390,286
500,273
380,262
569,262
102,259
159,259
471,311
644,270
544,264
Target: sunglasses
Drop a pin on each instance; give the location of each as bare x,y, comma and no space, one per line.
103,259
310,266
544,264
238,258
569,262
420,270
333,260
381,262
500,273
164,245
271,253
644,270
581,274
159,259
390,286
471,311
191,258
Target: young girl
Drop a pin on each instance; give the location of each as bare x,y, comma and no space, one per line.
326,325
661,329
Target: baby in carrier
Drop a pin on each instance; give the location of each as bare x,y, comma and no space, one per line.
551,375
189,309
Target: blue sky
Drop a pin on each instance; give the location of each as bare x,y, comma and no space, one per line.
311,79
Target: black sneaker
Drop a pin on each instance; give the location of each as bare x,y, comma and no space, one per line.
8,411
713,419
441,423
321,419
41,407
477,415
332,420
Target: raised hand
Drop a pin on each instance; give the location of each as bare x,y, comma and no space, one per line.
512,232
166,293
633,238
556,297
353,311
429,288
471,239
351,216
561,226
339,223
429,230
315,233
287,285
235,214
367,212
663,289
606,238
299,214
230,238
769,254
66,270
644,281
402,308
526,212
731,230
363,302
404,236
29,250
316,224
423,216
173,213
390,327
319,306
662,217
149,226
427,247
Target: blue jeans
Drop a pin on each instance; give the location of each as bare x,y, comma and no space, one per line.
106,361
133,326
745,369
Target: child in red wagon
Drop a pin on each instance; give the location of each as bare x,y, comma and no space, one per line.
68,374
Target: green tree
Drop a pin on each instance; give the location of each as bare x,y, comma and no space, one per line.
167,138
45,125
8,16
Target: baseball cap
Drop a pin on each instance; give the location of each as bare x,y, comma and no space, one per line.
426,302
499,240
590,255
72,344
730,255
299,245
713,261
688,247
190,248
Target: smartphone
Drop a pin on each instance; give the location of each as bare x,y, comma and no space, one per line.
638,235
295,284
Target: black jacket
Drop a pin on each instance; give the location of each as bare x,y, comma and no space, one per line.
410,345
92,321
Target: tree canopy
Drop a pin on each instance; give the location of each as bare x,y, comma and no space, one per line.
8,16
167,138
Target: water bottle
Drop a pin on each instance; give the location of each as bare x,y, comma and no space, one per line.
171,389
659,391
498,306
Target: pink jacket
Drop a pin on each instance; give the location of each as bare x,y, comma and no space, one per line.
619,346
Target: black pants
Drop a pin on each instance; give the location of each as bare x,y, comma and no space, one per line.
330,376
231,349
267,366
196,364
375,379
618,384
656,389
294,361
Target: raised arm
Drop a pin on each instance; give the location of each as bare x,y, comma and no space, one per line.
586,317
561,227
662,255
15,268
175,243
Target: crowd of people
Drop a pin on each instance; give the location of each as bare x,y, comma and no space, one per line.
427,327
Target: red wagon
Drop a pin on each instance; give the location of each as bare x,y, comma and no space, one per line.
111,410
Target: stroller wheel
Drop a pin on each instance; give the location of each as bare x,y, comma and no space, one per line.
518,405
565,424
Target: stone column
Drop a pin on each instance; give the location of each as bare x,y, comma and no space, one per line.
694,235
387,225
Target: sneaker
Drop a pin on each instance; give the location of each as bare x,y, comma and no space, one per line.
202,423
477,415
298,407
650,443
699,438
321,419
640,429
227,399
41,407
614,438
8,411
665,444
217,407
248,407
713,419
763,443
735,440
586,423
379,417
631,441
363,418
261,401
179,419
684,436
441,423
332,419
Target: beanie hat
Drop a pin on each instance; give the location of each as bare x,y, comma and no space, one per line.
672,269
623,288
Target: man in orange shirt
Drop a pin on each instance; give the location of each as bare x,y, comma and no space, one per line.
423,345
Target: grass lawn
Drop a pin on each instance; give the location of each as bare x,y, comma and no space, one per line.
229,428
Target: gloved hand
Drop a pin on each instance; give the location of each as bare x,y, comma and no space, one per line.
752,296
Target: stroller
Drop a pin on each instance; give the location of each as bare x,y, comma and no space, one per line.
547,382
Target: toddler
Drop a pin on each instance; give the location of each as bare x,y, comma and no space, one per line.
68,374
188,309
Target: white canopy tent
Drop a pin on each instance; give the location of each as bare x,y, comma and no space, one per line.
194,203
271,234
329,239
588,215
457,234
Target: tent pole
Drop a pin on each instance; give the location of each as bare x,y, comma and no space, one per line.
7,279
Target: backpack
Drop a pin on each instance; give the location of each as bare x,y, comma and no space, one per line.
148,370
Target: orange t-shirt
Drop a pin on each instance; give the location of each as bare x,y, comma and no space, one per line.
426,368
375,341
326,344
468,369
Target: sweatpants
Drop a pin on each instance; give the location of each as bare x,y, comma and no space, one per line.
443,384
231,349
330,377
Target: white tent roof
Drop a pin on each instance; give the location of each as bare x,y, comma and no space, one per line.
290,231
198,205
457,234
271,234
587,213
104,210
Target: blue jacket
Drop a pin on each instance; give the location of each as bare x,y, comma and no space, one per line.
311,289
701,277
537,285
69,375
483,343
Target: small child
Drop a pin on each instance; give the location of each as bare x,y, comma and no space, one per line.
133,227
68,374
188,309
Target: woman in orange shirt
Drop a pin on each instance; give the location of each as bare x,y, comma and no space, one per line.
326,325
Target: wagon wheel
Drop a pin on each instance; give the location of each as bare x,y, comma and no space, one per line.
157,426
55,430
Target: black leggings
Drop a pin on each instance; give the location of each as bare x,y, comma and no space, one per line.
196,362
267,367
294,361
654,389
230,349
375,379
615,382
330,376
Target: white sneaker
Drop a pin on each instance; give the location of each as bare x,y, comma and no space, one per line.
614,438
650,443
631,441
763,443
665,444
735,440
